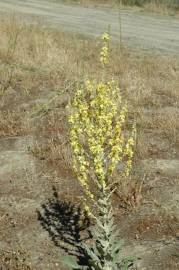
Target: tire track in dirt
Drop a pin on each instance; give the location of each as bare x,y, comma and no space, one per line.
139,30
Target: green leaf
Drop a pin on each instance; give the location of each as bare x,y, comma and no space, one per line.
70,262
117,247
99,223
114,238
127,262
176,255
116,258
92,253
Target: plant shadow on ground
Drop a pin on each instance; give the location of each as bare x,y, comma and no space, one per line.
67,226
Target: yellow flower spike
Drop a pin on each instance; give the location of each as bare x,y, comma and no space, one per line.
104,54
96,132
105,36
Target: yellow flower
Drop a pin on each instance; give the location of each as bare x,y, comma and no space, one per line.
104,54
105,36
96,132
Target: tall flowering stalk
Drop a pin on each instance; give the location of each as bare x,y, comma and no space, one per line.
104,55
97,116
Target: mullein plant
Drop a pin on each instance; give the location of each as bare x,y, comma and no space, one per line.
96,117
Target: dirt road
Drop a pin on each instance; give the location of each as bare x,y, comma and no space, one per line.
146,31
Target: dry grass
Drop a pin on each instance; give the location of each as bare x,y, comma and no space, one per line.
37,64
43,63
168,7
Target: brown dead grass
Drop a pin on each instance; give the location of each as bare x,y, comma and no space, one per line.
39,62
152,6
160,8
43,62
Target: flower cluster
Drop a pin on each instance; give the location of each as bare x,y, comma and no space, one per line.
97,139
104,55
116,142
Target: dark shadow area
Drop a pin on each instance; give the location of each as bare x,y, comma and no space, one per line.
66,225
